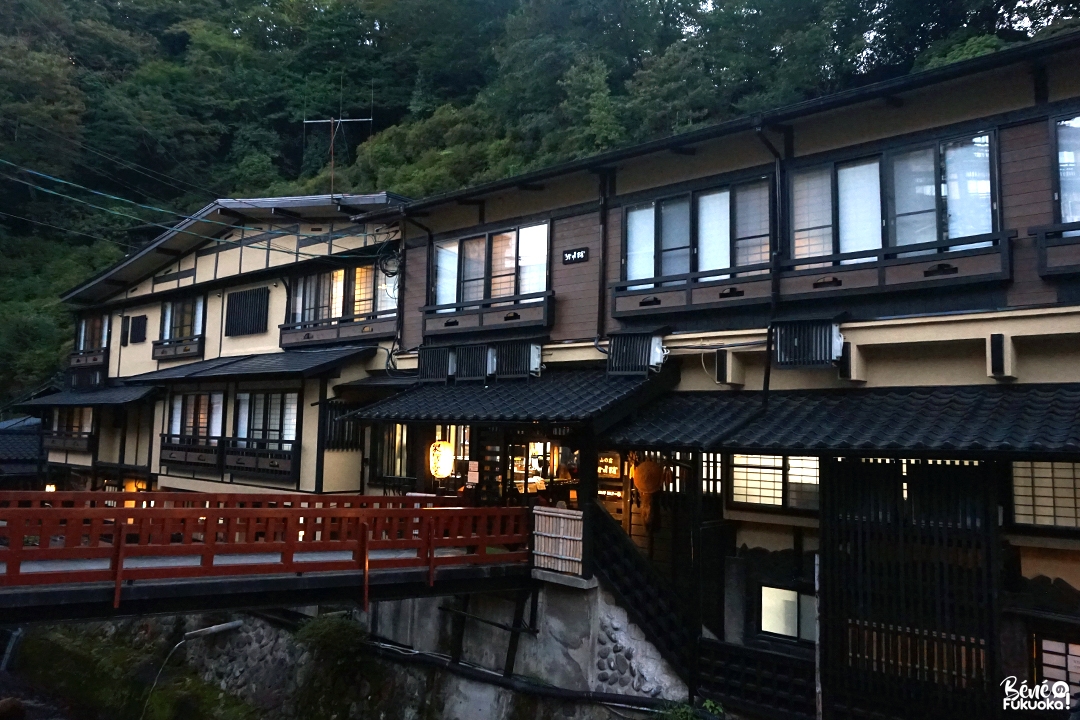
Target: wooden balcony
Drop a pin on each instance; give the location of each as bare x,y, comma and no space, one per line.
947,263
178,348
504,313
96,358
275,460
349,328
68,441
1058,248
203,453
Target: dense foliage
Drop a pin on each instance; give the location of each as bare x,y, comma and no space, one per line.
171,103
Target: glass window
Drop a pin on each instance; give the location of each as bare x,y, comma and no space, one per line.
473,264
386,291
858,186
373,291
790,613
775,480
503,264
714,230
1059,660
182,318
73,419
811,213
395,455
1046,493
532,259
92,333
752,224
446,272
640,243
1068,144
264,419
967,180
319,297
675,237
914,197
196,417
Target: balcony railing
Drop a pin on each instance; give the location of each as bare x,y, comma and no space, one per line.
348,328
1058,248
267,459
175,348
97,357
957,261
66,440
191,451
512,311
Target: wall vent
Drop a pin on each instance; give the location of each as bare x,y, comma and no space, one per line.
635,354
474,362
434,364
517,359
807,344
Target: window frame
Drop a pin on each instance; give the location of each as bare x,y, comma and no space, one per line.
800,591
460,239
199,331
1055,161
886,153
207,439
264,443
348,297
728,488
728,184
83,327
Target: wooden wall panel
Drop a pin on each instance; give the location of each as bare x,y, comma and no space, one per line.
614,264
415,296
575,285
1026,201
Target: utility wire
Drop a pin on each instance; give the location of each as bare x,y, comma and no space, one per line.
64,229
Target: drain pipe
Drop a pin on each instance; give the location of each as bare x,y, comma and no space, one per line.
9,652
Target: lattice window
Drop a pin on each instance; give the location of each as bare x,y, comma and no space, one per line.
1060,661
775,480
1046,493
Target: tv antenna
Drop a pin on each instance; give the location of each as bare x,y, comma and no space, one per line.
335,125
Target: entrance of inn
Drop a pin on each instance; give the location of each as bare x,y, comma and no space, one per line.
908,588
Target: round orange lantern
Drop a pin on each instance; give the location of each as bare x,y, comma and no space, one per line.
441,459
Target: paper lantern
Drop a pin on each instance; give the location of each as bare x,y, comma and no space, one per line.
441,459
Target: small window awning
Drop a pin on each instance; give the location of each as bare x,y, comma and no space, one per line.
557,396
304,363
119,395
1018,420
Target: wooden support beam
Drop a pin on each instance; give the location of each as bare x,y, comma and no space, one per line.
683,150
228,212
894,101
168,251
286,213
530,187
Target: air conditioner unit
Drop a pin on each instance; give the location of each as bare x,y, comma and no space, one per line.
807,344
635,354
435,364
517,359
474,362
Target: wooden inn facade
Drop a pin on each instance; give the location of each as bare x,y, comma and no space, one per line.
847,332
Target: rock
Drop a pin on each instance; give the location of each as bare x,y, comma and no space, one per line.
624,681
601,664
615,625
611,663
604,652
622,664
629,653
602,677
638,682
618,648
601,639
633,670
655,691
612,679
612,637
12,709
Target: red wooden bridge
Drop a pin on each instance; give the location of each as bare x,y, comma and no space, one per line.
94,554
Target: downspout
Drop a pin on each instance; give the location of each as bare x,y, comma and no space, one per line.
400,325
430,253
606,177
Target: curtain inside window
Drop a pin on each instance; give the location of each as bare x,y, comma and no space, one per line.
859,187
217,403
811,213
166,321
967,181
337,293
1068,141
714,231
243,412
363,290
640,244
288,418
176,415
386,291
914,198
752,224
446,272
532,259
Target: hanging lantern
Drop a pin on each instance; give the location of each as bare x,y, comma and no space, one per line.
441,459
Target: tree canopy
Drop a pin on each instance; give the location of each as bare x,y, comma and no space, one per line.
172,103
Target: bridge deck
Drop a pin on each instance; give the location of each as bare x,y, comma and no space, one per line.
94,554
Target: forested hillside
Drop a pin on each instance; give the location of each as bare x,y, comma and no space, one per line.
171,103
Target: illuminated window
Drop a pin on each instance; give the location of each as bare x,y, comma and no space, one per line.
196,417
503,264
775,480
788,613
1068,144
264,419
182,318
1046,493
1058,660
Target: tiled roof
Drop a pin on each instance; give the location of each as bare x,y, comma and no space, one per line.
19,446
556,396
85,398
1036,419
290,362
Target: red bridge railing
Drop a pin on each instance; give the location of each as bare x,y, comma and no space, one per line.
42,545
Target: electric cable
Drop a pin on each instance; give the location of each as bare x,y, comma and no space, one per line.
64,229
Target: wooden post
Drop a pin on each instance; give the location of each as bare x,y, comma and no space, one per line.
588,459
693,479
118,569
364,564
515,634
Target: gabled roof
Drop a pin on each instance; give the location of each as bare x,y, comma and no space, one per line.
557,396
117,395
1028,419
304,363
1023,52
195,230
